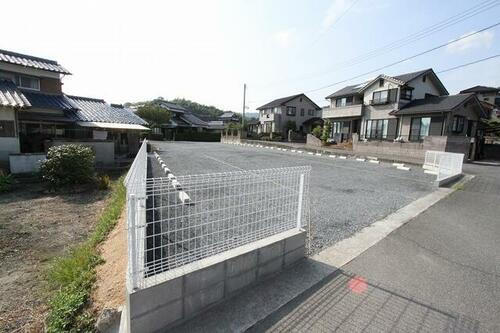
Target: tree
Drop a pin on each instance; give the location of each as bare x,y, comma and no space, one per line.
290,125
198,108
327,127
153,114
317,131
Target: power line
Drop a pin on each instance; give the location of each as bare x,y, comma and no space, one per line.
407,58
468,64
437,27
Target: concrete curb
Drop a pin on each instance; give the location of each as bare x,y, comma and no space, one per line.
183,196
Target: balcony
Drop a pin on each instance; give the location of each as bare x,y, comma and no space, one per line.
267,117
354,110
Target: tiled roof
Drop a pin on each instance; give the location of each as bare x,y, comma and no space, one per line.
49,101
433,104
228,114
193,120
480,89
407,77
30,61
349,90
172,107
97,110
11,96
284,100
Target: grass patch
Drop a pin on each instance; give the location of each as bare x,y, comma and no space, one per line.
458,187
71,277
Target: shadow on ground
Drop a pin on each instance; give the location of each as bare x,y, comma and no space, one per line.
349,303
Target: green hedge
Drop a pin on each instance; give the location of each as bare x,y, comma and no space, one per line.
197,136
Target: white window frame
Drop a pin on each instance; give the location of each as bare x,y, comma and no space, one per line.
19,78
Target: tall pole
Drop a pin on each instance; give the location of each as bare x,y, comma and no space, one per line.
244,106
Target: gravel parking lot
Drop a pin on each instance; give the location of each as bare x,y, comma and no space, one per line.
345,195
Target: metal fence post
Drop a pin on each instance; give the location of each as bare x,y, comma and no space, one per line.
132,206
299,208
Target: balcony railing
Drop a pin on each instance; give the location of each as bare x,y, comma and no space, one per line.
354,110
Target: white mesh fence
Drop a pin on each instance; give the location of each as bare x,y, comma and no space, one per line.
450,164
224,211
432,159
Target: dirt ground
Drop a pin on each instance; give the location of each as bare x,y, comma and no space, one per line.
36,226
110,284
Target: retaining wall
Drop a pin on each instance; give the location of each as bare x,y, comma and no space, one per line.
25,163
191,289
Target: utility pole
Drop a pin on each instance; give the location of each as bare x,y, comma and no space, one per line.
244,106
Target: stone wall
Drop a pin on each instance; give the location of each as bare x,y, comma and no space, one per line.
311,140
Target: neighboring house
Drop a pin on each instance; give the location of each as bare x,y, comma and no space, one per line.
36,114
490,96
229,117
183,120
274,116
407,107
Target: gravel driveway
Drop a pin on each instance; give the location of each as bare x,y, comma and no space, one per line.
346,195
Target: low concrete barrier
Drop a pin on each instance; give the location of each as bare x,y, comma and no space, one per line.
25,163
195,287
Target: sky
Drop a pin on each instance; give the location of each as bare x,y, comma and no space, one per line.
128,51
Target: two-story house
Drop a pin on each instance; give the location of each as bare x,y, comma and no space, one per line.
274,116
36,114
406,107
489,97
229,117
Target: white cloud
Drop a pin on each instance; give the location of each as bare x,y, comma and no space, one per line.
481,40
336,9
285,37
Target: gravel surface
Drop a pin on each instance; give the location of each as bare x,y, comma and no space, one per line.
345,195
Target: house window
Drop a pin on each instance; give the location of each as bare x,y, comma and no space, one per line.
458,124
384,96
381,129
419,128
424,78
405,93
300,99
7,128
344,101
381,82
291,111
302,112
310,112
28,82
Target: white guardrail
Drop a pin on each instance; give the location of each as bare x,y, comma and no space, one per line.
443,164
225,211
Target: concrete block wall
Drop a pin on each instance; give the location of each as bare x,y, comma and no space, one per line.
178,299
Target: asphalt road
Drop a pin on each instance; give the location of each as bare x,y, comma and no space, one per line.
345,195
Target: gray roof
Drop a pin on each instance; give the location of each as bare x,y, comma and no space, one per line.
11,96
97,110
32,62
49,101
346,91
410,76
193,120
227,114
172,107
433,104
403,78
283,101
480,89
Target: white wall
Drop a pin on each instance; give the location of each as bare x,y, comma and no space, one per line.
104,150
422,88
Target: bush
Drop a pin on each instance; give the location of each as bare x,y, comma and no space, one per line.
326,131
317,131
68,165
103,182
5,181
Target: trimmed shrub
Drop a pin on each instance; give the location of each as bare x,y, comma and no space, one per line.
326,131
317,131
68,165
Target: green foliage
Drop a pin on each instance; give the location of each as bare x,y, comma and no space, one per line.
197,136
290,125
5,181
198,108
327,127
71,277
68,165
491,127
317,131
103,182
153,114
